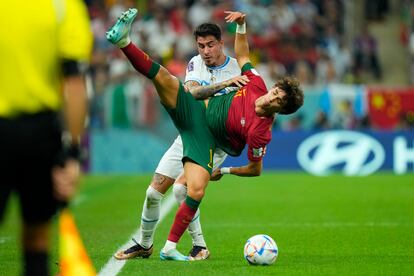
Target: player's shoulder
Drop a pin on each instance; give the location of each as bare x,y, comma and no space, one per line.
233,61
233,65
196,60
254,76
195,63
251,73
248,69
193,66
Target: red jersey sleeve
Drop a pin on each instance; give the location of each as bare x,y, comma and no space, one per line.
256,81
249,70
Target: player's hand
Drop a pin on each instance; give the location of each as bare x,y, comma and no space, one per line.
239,81
234,16
65,180
216,175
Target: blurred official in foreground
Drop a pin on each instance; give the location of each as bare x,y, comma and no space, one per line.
42,45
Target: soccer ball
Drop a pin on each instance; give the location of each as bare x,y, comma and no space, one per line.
260,250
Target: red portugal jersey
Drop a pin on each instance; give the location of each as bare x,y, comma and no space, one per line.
233,121
243,125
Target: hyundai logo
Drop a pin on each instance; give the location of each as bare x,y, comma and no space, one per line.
352,152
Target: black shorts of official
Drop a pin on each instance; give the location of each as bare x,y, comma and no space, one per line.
29,146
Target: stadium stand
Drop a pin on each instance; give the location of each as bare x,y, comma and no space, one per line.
353,58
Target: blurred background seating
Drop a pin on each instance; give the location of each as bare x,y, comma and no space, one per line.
354,58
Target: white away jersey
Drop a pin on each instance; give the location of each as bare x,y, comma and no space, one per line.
198,71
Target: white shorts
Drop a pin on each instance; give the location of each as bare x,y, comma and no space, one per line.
171,164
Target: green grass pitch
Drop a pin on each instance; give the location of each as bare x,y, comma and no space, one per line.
323,225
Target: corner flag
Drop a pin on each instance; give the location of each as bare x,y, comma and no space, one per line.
73,258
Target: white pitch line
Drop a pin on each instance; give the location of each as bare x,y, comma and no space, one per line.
113,266
312,224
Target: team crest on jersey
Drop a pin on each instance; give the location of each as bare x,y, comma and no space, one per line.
190,66
243,122
258,152
241,92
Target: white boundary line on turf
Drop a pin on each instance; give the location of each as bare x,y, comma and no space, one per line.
113,266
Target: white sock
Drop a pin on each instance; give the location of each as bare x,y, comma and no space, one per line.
124,42
150,216
169,245
194,228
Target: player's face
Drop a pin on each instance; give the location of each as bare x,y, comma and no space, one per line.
210,50
272,102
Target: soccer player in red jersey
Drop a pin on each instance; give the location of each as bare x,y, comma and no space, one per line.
229,122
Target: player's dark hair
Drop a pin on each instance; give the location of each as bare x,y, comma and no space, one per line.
294,94
207,29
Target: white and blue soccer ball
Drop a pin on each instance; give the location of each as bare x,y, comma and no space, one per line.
260,250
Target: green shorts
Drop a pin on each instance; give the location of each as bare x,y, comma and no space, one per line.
189,117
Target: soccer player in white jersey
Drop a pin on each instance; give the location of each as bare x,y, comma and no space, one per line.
207,73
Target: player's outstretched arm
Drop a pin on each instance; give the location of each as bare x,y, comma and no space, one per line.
253,168
241,45
201,92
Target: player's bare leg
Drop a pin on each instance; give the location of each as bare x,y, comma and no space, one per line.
199,250
197,180
166,84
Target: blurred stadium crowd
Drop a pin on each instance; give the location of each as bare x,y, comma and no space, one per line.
306,38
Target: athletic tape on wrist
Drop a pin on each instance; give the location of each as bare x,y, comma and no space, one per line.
225,170
241,29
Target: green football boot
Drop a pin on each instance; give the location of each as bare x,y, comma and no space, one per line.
118,34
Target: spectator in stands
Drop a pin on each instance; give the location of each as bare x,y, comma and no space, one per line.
321,121
376,9
258,14
411,49
96,105
200,12
271,70
366,54
294,123
411,43
178,64
345,116
406,121
282,15
303,72
160,34
329,41
305,9
325,69
330,13
343,61
184,42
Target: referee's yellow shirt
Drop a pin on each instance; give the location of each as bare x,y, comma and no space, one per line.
34,38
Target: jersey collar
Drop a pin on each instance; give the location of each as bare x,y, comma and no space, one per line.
220,66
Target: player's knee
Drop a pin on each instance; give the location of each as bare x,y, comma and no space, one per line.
161,182
197,194
153,196
180,192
